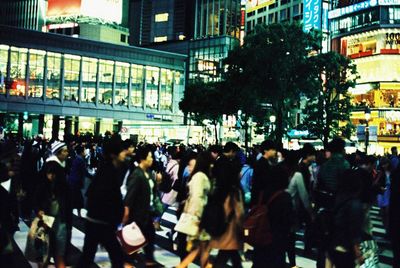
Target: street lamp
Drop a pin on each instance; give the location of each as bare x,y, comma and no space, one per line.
367,118
272,119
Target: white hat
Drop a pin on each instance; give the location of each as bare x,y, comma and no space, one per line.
57,146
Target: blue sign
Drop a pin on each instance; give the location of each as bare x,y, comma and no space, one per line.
312,14
325,9
351,9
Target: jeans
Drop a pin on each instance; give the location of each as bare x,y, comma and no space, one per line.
342,259
101,234
272,256
224,256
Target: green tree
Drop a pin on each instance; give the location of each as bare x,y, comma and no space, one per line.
272,67
203,101
328,112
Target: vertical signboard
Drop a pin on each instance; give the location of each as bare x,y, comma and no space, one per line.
312,14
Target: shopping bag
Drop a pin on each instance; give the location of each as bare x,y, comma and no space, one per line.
37,244
131,238
188,224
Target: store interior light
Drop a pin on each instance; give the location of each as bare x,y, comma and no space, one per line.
272,118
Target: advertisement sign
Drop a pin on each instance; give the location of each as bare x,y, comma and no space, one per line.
312,14
351,9
252,5
373,133
361,133
107,10
62,8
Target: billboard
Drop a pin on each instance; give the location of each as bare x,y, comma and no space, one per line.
107,10
252,5
312,14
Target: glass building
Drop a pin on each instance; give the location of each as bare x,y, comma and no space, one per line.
74,85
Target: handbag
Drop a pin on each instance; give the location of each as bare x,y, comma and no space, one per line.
131,238
38,242
188,224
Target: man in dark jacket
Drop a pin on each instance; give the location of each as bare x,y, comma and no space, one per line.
105,207
262,170
139,200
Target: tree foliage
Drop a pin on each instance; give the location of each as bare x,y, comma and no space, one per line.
331,106
273,67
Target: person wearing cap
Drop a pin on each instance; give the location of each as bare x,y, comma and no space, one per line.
52,199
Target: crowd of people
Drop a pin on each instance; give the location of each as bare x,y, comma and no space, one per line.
326,193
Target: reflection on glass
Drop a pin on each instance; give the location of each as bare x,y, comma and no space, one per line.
71,77
36,73
89,72
121,83
166,89
152,79
53,75
3,67
18,70
106,71
137,85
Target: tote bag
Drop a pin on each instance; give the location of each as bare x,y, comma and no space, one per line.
131,238
188,224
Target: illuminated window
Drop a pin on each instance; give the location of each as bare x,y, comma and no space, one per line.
71,77
121,83
106,73
137,85
3,67
160,39
152,81
89,76
53,75
161,17
36,73
18,70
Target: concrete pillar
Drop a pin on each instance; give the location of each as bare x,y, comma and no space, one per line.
55,127
20,125
41,124
97,128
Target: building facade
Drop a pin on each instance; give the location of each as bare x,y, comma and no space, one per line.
53,80
369,33
28,14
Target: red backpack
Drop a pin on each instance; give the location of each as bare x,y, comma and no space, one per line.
256,227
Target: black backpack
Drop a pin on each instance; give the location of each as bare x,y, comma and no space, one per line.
213,220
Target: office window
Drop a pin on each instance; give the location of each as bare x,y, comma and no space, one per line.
18,71
160,39
106,72
3,67
152,80
36,73
71,77
137,85
166,89
89,73
161,17
121,83
53,75
123,38
260,20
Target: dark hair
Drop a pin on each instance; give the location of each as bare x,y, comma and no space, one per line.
230,146
127,143
267,145
79,149
307,150
215,148
337,145
112,146
203,164
173,151
142,153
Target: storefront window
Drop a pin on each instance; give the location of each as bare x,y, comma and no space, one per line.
36,73
106,72
152,80
179,83
121,83
166,89
137,85
3,67
18,71
89,73
71,77
53,75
